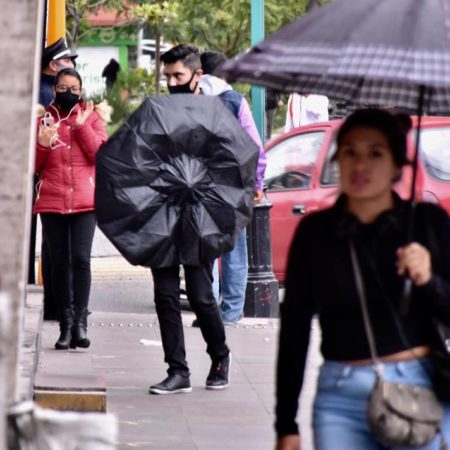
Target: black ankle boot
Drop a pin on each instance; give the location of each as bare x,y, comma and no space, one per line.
65,326
79,330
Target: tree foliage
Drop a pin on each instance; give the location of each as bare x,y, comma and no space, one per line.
77,12
155,15
224,25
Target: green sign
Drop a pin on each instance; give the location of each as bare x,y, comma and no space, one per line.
110,36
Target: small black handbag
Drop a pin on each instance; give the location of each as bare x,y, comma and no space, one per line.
398,414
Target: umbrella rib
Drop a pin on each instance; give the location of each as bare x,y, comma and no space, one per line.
142,140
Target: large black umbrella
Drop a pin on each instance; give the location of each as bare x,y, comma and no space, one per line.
175,183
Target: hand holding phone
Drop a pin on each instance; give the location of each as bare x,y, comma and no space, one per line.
47,130
48,120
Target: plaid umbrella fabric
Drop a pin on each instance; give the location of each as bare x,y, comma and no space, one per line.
376,52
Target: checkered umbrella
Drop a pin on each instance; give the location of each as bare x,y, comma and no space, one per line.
378,52
391,53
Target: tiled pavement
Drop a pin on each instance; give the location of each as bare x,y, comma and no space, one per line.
238,418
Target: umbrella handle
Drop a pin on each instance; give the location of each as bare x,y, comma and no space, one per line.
407,285
420,111
406,295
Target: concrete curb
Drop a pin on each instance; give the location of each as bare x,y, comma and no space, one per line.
30,345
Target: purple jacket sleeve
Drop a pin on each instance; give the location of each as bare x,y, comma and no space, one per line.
246,121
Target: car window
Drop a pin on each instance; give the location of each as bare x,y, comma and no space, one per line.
330,172
435,152
290,163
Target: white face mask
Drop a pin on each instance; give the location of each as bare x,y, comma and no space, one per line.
61,64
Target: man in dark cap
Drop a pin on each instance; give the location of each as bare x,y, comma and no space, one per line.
54,58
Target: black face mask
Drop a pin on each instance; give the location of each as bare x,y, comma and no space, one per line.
183,88
66,100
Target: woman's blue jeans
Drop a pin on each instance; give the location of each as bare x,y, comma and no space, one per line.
339,420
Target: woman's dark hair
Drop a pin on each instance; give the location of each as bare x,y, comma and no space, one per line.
68,71
394,126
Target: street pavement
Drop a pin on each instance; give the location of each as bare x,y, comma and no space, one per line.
126,350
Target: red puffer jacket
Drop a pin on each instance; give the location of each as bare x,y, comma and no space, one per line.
67,169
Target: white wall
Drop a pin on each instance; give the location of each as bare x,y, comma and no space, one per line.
90,64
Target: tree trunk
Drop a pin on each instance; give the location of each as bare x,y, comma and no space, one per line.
74,33
20,37
157,61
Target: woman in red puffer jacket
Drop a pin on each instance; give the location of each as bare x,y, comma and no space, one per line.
69,135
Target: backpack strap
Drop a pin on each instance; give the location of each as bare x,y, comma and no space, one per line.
232,100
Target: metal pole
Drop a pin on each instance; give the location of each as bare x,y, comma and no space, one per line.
56,26
140,50
258,93
261,296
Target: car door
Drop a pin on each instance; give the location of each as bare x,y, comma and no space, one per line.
435,163
291,177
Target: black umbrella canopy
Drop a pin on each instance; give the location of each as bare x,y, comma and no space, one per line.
366,51
175,183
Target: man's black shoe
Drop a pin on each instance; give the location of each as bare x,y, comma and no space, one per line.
219,374
173,384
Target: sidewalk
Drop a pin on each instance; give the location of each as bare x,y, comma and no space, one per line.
240,417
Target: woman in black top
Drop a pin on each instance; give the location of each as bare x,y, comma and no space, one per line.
371,151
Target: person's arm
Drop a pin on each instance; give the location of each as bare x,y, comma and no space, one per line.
288,442
436,289
297,311
41,157
247,122
289,124
90,134
45,135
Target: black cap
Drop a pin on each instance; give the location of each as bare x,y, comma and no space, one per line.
57,50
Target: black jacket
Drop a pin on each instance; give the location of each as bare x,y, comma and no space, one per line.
320,281
46,89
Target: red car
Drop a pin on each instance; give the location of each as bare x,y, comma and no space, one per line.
300,177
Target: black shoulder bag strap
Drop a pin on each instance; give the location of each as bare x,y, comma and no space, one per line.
365,311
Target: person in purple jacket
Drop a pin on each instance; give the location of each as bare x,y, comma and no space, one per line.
234,264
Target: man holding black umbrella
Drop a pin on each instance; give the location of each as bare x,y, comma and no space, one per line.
182,69
180,194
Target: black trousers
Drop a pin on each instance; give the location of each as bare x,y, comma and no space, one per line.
50,303
201,298
69,240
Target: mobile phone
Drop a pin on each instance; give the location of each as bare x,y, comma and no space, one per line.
47,121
